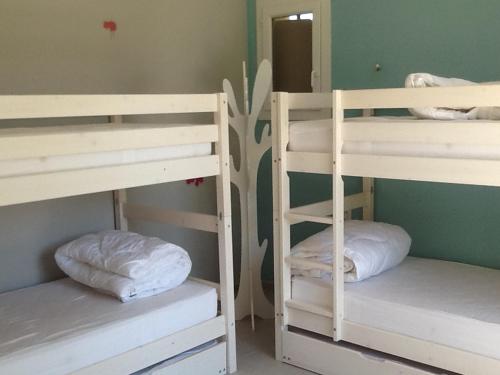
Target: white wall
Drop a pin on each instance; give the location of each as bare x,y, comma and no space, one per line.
160,46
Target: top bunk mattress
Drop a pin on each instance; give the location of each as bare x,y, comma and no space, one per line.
316,136
448,303
62,326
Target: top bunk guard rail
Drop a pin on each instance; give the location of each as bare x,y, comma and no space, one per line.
18,143
48,106
467,151
303,101
38,163
447,97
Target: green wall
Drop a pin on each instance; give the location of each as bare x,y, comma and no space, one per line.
447,37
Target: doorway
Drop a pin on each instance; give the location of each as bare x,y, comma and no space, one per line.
295,36
293,53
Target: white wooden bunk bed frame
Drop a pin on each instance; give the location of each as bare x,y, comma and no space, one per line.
44,142
326,356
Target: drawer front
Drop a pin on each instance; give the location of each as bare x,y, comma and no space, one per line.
211,361
329,358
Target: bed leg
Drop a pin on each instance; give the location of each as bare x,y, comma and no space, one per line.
368,191
223,184
281,205
338,217
368,184
119,196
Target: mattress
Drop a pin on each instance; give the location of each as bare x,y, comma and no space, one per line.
101,159
316,136
447,303
62,326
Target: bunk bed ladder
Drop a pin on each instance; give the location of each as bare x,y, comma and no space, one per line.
329,212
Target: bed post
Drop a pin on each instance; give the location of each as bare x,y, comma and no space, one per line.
281,205
119,196
338,217
368,191
368,184
223,183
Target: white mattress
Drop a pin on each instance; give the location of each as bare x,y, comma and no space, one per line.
62,326
316,136
447,303
101,159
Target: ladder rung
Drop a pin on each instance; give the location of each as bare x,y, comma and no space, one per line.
296,261
307,307
296,218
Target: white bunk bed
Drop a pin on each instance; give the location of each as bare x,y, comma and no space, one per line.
430,312
63,327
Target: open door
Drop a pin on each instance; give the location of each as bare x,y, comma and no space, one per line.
295,36
293,53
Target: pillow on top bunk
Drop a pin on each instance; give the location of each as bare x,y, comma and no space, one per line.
124,264
370,248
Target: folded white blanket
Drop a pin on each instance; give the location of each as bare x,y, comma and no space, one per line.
369,249
416,80
126,265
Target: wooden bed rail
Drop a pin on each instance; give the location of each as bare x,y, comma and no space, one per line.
321,212
18,143
479,133
447,97
191,220
394,98
48,106
38,187
303,101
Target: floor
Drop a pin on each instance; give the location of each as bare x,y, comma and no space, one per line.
256,351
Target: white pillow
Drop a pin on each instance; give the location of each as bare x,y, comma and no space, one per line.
370,248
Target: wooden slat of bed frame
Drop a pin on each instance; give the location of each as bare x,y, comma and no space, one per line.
193,220
159,350
458,171
449,97
309,162
46,106
82,139
421,351
302,101
325,208
325,357
29,188
424,131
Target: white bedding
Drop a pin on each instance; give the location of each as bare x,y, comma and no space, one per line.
62,326
316,136
124,264
101,159
370,248
447,303
417,80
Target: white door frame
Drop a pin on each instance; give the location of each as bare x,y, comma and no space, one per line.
269,9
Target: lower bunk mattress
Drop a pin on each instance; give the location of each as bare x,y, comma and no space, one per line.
62,326
447,303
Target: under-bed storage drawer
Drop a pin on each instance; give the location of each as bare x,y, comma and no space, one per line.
211,361
329,358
